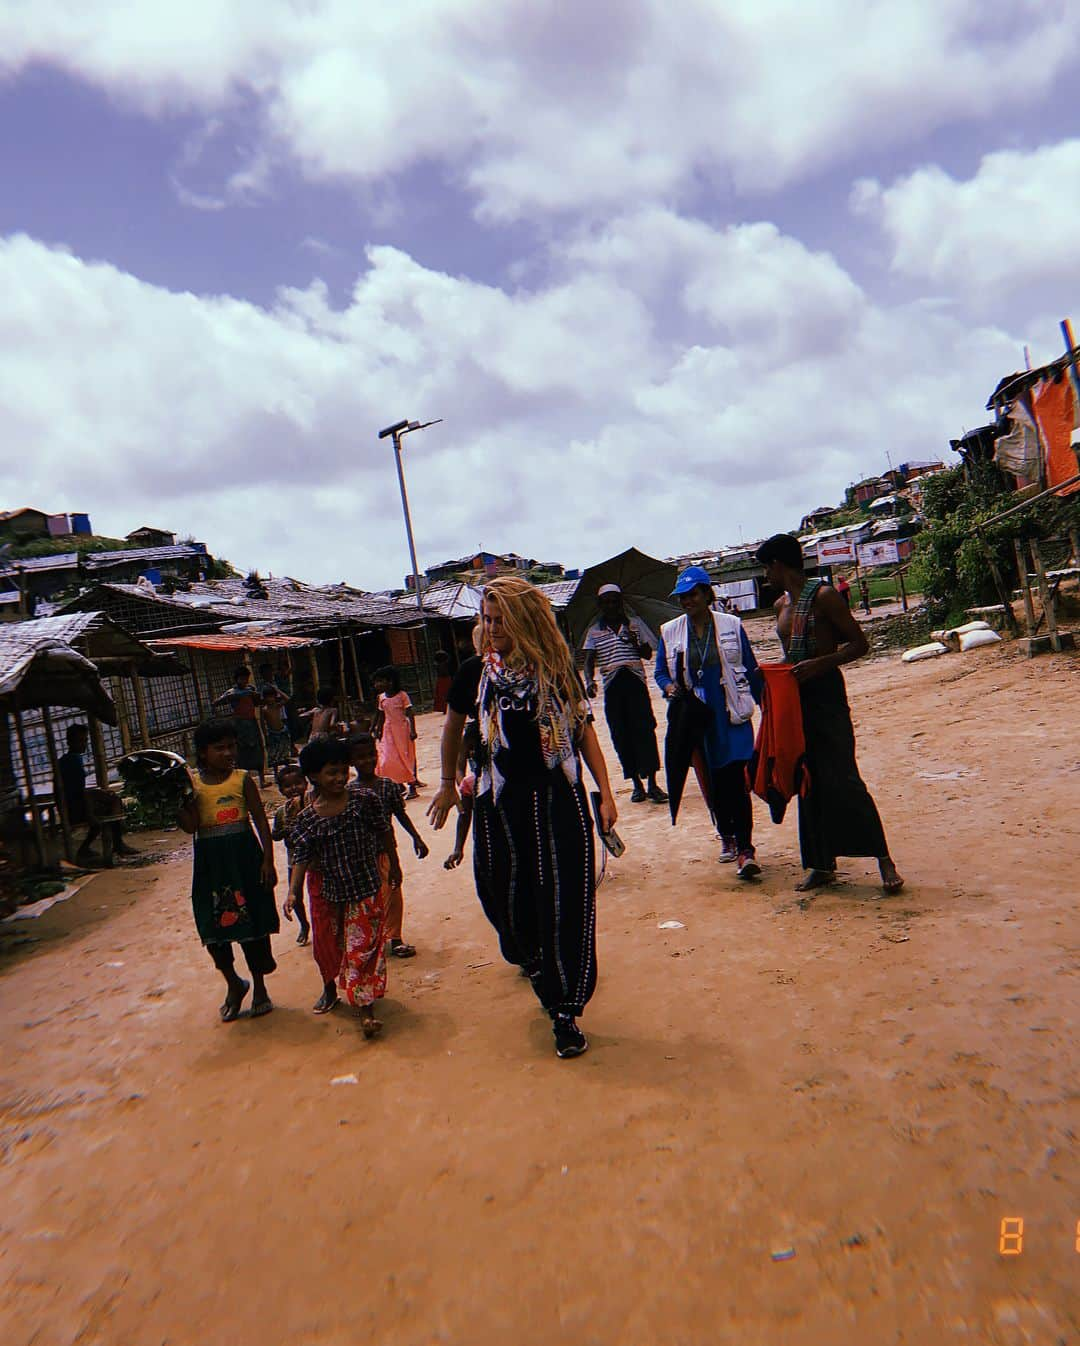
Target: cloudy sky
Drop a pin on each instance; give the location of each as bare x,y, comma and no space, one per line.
672,274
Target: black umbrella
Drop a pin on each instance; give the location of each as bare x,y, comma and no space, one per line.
646,585
684,746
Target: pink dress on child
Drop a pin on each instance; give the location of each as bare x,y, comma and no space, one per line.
396,750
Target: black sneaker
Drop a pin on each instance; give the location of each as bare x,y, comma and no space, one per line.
638,796
569,1039
656,795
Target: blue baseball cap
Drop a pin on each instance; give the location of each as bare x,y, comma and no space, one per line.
691,577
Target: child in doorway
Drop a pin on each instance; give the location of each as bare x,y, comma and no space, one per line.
290,781
392,797
395,731
233,877
344,834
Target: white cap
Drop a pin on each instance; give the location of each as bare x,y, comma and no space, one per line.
608,589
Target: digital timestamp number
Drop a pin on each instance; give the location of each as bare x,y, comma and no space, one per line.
1011,1236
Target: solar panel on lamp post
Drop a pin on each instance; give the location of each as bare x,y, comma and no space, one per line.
395,433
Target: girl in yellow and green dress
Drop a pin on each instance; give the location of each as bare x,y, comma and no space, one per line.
233,877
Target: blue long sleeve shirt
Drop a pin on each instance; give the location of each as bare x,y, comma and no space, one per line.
724,742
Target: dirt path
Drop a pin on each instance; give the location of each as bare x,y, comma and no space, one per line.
874,1084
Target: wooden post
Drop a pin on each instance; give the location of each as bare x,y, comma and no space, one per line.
1044,595
356,671
1029,607
344,694
999,584
122,716
35,817
101,759
314,664
61,800
140,706
903,591
200,700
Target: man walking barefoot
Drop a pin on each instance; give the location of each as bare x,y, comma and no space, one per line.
819,634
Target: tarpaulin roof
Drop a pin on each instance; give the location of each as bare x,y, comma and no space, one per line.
226,643
39,670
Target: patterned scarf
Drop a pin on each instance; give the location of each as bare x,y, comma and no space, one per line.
506,689
802,642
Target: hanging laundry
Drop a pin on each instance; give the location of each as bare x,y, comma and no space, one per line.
777,771
1018,451
1055,411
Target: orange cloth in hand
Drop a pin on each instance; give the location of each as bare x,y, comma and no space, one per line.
777,771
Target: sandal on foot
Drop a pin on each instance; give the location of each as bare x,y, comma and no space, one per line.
324,1004
303,937
230,1007
399,949
261,1007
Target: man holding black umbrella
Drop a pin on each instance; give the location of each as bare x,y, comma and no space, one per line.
617,644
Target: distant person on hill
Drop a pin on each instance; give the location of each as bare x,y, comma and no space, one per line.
864,594
242,700
819,634
618,644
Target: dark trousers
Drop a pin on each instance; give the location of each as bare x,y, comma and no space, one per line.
534,864
630,718
731,804
257,953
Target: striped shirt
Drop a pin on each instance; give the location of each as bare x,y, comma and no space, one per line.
614,649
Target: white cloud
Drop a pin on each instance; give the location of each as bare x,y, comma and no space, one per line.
1010,226
578,106
598,411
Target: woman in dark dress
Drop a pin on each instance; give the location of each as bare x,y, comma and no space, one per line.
534,856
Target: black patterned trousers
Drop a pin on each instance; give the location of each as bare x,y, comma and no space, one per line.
534,862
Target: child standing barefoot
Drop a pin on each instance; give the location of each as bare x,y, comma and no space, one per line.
344,835
392,797
233,877
395,731
290,781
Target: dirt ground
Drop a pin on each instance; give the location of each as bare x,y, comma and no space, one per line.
874,1084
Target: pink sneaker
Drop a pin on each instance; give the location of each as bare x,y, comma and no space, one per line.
748,866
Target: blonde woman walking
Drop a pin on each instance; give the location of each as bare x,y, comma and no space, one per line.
534,856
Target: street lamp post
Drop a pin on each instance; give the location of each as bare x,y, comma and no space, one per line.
395,433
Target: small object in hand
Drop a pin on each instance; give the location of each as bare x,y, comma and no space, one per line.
613,843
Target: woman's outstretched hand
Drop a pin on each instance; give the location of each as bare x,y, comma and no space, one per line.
443,804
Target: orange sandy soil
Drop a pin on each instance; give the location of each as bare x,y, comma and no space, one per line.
872,1083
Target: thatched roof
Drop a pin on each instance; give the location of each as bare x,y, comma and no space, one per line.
107,645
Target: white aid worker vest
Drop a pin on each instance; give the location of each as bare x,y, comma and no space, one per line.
676,635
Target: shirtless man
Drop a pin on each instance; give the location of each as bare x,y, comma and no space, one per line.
819,635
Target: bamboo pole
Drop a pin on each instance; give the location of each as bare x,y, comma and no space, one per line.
140,706
903,591
28,776
999,584
1044,595
1025,587
58,791
101,758
356,671
314,665
122,716
344,695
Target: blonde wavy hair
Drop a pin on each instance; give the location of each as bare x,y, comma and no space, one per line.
538,644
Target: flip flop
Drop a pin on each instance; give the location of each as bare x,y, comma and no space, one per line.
324,1006
399,949
261,1007
230,1009
893,886
303,937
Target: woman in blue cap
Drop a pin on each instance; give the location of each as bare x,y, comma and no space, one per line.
706,654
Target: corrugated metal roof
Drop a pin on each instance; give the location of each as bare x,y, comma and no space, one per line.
560,592
101,560
110,646
39,670
67,560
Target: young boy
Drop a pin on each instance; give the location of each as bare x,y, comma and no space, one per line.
242,700
291,783
324,716
345,836
363,758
